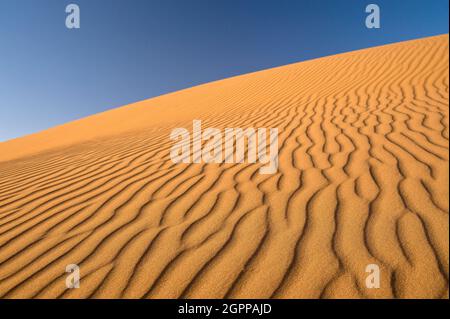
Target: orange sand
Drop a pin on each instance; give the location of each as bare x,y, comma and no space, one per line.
363,179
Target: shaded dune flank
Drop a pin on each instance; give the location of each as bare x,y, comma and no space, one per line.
362,179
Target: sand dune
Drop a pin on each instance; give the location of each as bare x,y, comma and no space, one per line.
362,179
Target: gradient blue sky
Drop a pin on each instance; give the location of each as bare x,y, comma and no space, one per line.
130,50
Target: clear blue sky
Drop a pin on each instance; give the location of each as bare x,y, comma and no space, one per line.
130,50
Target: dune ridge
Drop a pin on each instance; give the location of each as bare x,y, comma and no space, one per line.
362,179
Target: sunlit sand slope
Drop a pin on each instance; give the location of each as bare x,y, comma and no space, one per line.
363,179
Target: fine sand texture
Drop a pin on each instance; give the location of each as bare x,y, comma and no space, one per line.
362,179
